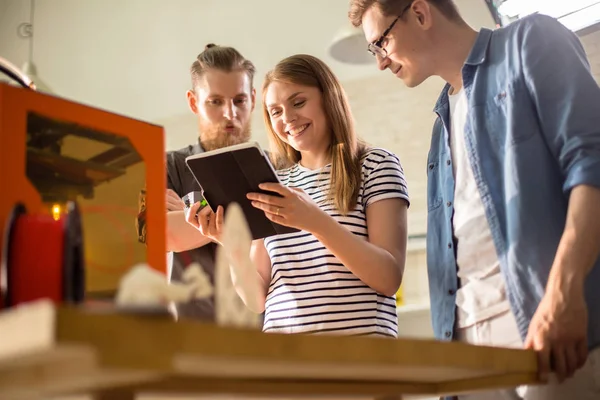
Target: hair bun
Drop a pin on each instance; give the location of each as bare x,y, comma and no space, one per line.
208,46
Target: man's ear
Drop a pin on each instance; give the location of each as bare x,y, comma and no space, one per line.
192,101
423,11
253,98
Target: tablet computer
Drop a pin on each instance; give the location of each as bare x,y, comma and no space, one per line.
226,175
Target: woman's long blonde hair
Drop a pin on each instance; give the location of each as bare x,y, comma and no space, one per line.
345,150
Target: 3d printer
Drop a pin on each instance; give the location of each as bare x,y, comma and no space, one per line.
70,176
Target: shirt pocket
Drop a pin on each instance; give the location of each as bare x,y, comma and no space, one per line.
434,195
508,116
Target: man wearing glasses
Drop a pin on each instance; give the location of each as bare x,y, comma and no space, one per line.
513,237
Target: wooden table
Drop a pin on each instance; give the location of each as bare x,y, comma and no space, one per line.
47,350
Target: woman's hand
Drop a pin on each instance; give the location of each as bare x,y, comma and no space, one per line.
294,209
210,224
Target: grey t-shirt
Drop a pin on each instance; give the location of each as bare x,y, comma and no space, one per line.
181,181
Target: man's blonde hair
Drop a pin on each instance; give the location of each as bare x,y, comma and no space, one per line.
395,7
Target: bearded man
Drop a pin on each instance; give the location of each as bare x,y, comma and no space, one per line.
223,98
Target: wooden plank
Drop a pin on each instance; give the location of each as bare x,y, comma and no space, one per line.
114,394
208,350
153,353
180,385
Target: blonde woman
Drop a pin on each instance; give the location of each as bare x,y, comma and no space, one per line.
340,273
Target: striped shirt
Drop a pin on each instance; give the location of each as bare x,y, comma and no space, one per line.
311,291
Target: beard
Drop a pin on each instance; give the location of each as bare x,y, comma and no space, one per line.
214,137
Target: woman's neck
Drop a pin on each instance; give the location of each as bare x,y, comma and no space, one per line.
314,161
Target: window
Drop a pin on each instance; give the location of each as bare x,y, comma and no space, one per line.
574,14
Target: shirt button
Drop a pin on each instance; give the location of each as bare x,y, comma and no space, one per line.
447,334
449,245
448,162
449,203
451,292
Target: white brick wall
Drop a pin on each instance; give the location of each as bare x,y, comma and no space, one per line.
399,119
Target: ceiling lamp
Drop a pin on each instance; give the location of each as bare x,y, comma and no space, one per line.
349,46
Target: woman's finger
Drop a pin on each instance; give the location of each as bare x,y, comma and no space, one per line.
276,218
271,209
265,198
275,187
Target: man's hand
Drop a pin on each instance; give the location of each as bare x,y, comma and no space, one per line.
210,224
558,331
174,202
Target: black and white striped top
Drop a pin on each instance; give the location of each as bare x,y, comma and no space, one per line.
310,290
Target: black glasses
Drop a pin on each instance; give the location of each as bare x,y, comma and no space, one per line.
376,47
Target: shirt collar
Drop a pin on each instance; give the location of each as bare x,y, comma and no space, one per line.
197,148
479,51
477,56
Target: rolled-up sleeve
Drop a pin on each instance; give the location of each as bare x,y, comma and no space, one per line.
566,96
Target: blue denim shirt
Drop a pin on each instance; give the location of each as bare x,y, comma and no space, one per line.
532,135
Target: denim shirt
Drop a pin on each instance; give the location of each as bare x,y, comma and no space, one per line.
532,135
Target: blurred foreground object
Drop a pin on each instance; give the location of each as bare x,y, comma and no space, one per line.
144,286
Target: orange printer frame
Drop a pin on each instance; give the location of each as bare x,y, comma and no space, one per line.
15,187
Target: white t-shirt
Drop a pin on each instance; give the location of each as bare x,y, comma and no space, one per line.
482,292
311,291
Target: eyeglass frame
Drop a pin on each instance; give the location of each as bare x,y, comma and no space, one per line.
375,47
